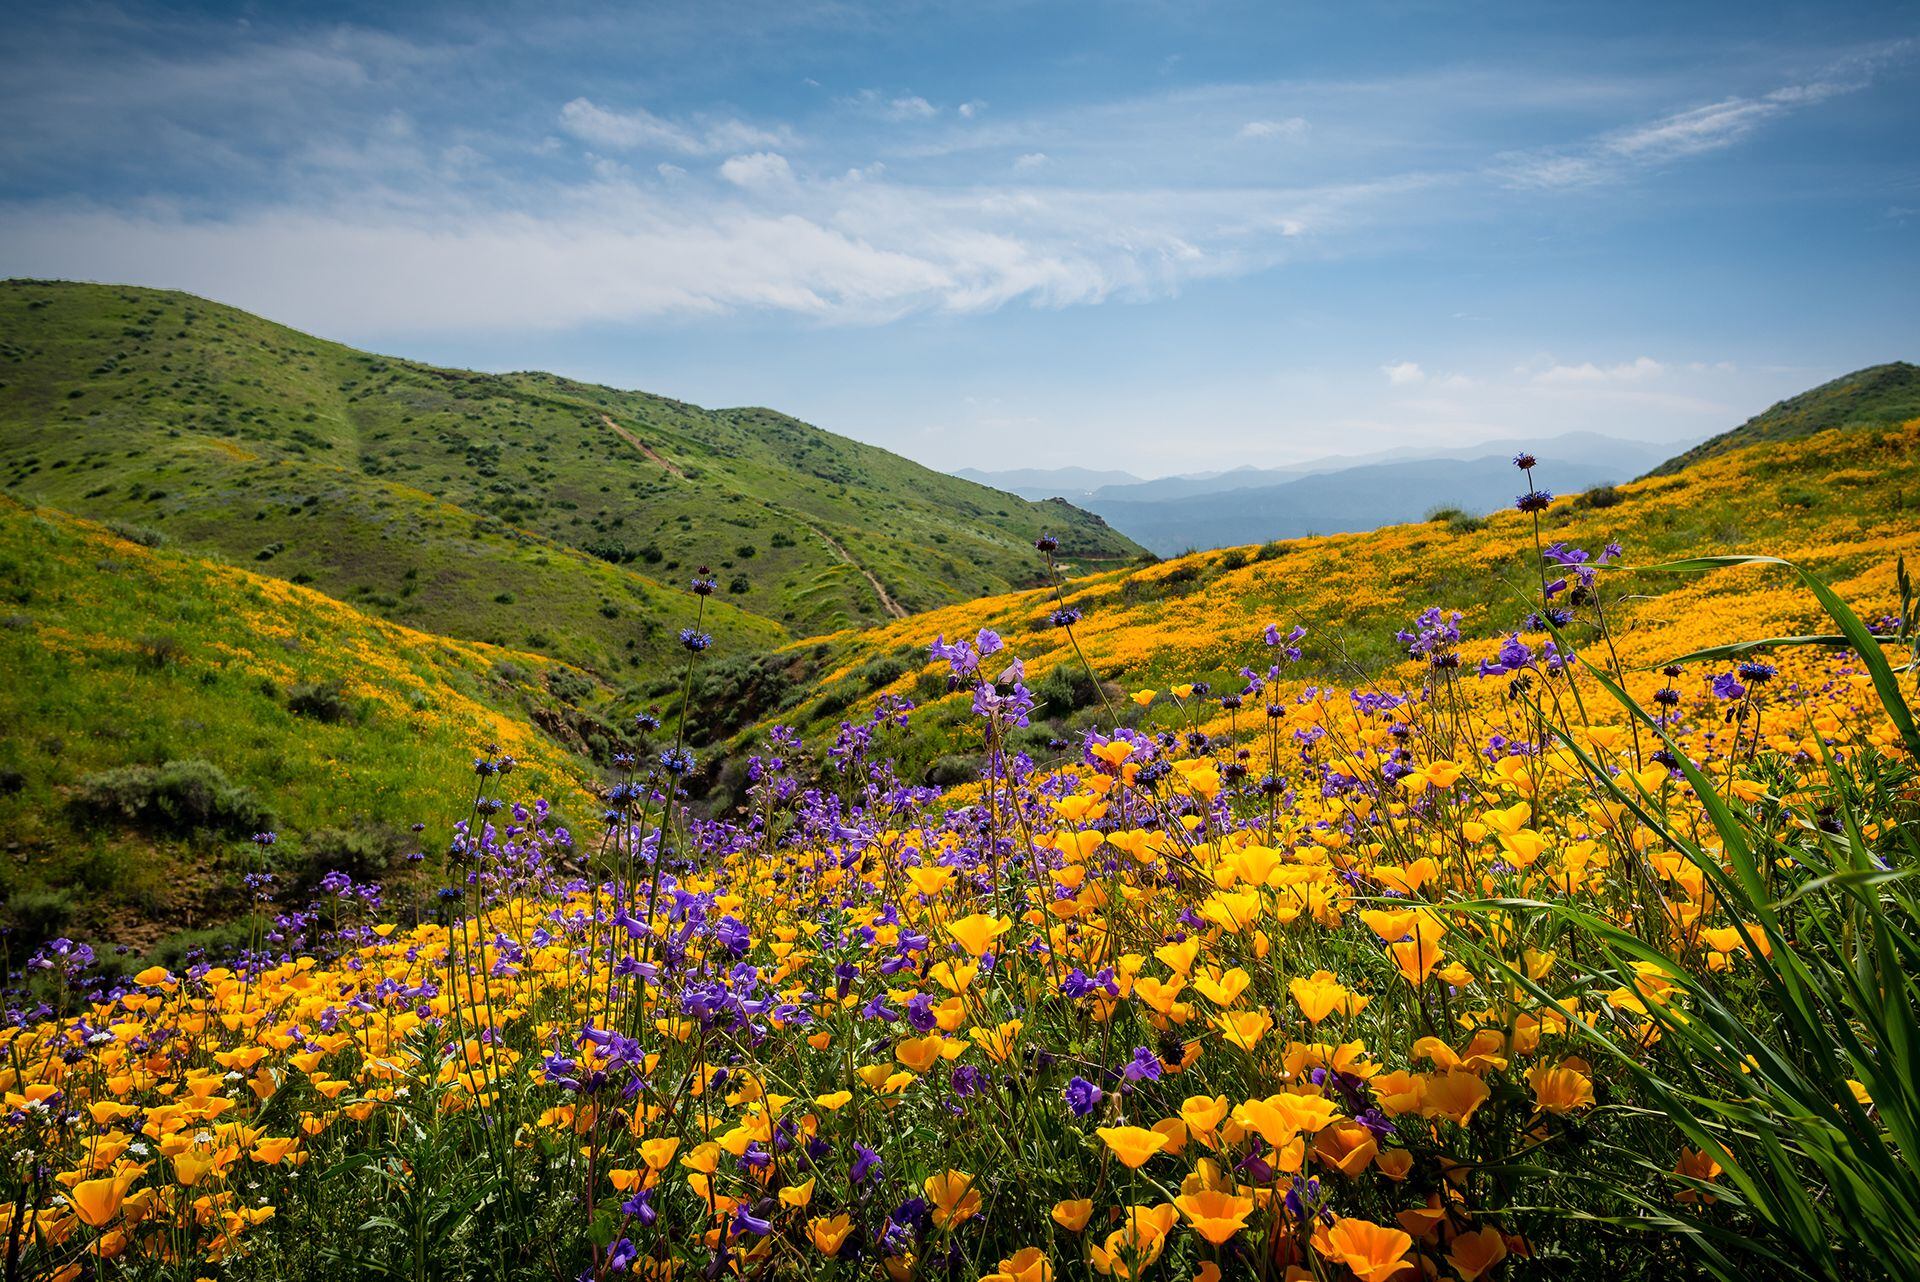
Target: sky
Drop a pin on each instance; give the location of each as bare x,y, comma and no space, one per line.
1155,236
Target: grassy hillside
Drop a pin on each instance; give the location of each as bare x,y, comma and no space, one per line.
1877,396
1845,504
523,509
338,729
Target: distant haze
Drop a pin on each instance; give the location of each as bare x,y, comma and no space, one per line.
1333,495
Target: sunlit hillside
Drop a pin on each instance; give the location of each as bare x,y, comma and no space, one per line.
519,509
1846,503
161,709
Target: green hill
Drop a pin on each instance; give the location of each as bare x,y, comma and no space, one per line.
1877,396
523,510
162,708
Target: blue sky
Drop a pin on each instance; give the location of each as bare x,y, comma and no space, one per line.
1155,236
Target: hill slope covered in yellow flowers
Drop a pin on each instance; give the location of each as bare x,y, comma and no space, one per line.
1844,503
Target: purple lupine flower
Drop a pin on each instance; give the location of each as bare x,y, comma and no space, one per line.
866,1165
1144,1065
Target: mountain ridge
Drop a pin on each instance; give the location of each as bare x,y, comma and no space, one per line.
522,509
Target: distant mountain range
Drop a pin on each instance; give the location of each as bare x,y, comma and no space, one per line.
1332,495
1041,483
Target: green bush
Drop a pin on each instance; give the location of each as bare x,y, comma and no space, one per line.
1600,496
140,534
35,916
881,670
737,691
365,852
182,948
1066,688
178,797
322,701
952,770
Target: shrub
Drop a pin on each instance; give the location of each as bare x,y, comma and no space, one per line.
1600,496
154,653
365,852
35,916
320,701
183,948
952,770
140,534
736,691
177,798
1066,688
881,670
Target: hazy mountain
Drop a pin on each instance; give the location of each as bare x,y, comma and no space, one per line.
1626,457
1038,483
1353,499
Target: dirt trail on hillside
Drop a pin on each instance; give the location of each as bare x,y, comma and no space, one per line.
642,446
887,602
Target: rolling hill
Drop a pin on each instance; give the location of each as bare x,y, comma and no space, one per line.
524,510
1877,396
162,708
1844,503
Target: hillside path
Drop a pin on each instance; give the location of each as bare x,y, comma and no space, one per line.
642,446
887,602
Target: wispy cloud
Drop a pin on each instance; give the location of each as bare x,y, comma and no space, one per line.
1692,131
853,249
899,107
1403,373
1589,374
761,169
1259,130
637,128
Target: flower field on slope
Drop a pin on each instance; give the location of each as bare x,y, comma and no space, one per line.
1843,503
1519,962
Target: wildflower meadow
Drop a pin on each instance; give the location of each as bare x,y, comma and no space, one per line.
1522,956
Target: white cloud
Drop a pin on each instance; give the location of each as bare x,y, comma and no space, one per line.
755,235
639,129
1588,373
968,110
1258,130
1031,161
759,169
1403,373
896,107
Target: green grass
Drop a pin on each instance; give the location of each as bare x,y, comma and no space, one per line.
522,509
120,656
